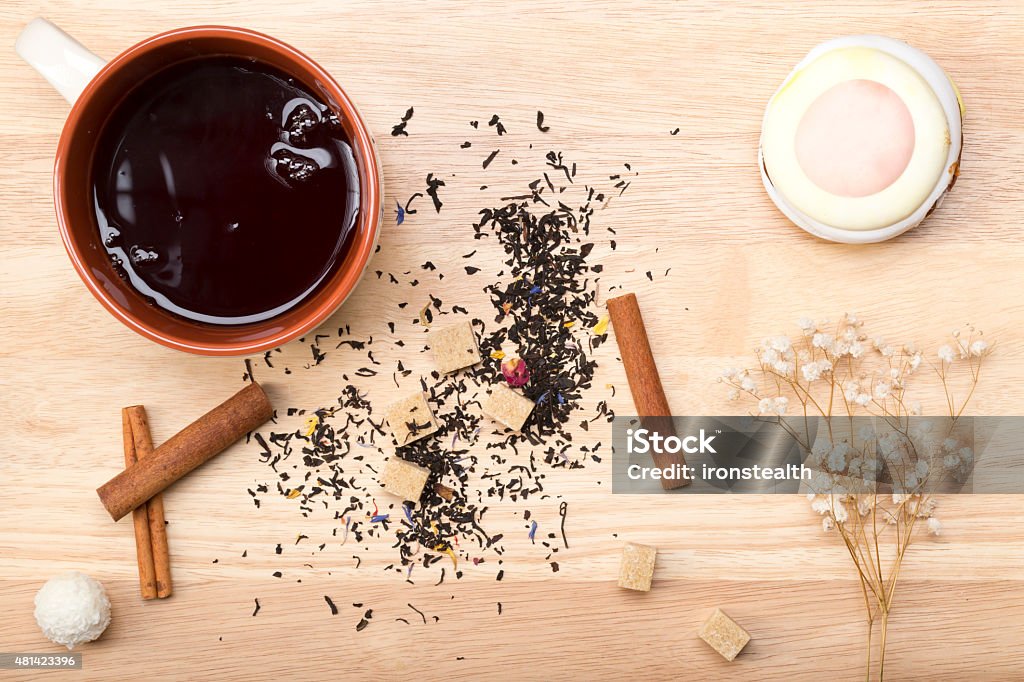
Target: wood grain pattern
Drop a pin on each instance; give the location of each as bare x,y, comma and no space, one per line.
613,80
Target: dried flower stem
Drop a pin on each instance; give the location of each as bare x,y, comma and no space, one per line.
841,373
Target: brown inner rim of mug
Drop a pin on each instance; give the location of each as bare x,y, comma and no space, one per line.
79,222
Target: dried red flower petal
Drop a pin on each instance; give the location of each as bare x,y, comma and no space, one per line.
516,372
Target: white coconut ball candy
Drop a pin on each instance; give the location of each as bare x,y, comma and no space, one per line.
72,609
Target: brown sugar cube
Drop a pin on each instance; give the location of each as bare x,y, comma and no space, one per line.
454,347
404,479
410,418
637,567
724,635
507,406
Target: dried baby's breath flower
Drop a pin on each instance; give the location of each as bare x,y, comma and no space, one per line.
851,389
946,353
865,505
837,458
812,371
839,512
773,406
842,371
927,509
823,341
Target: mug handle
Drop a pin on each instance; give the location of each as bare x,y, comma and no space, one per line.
61,59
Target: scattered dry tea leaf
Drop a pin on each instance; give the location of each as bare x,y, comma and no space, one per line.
444,491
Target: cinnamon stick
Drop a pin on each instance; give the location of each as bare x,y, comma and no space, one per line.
209,435
644,381
154,507
140,519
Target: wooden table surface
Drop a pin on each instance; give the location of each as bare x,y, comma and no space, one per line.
613,79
